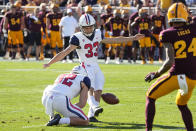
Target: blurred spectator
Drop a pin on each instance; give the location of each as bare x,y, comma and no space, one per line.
1,2
24,2
71,3
114,3
147,3
68,26
88,9
38,2
124,3
11,2
163,4
91,2
136,2
45,1
102,2
30,3
82,3
63,3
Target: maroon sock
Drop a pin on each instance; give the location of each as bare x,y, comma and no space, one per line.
150,113
187,117
161,53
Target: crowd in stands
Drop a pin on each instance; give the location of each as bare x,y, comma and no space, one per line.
22,26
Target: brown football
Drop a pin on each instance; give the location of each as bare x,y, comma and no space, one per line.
110,98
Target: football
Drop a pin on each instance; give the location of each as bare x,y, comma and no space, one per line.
110,98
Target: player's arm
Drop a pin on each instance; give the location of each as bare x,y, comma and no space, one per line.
83,96
164,24
122,39
133,24
166,65
158,3
5,26
61,55
23,25
169,59
129,27
48,25
61,31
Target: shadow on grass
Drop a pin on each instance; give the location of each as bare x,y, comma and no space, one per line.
120,125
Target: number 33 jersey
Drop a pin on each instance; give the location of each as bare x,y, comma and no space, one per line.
183,40
87,46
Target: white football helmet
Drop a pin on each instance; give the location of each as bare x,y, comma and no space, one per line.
87,20
79,70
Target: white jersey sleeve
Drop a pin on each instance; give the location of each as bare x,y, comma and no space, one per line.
88,46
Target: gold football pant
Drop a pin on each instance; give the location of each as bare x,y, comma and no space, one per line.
168,83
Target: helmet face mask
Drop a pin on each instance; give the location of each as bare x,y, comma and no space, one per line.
143,13
87,24
87,30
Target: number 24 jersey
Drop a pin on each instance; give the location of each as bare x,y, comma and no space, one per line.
183,40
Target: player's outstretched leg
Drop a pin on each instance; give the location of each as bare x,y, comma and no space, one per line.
150,113
186,116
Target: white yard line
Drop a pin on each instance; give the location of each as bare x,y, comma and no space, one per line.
32,126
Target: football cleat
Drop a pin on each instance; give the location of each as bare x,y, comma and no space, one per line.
41,57
54,121
6,55
107,60
98,110
93,119
143,62
160,61
18,55
151,61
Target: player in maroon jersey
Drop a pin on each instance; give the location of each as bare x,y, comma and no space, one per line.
105,28
116,26
34,26
44,39
52,25
89,10
127,47
158,24
143,22
180,45
134,30
14,22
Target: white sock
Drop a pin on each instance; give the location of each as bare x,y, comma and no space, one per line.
92,102
90,112
64,120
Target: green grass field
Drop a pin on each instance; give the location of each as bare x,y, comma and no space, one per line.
22,84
